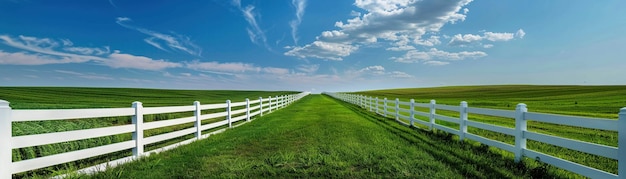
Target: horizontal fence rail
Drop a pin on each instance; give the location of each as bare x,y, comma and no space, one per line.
243,111
394,108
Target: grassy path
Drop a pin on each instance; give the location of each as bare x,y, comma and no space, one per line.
321,137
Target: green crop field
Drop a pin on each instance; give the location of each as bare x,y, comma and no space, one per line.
321,137
592,101
69,98
589,101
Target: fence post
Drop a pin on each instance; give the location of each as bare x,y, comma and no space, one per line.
6,148
397,109
385,107
247,109
376,105
621,143
228,116
269,106
138,134
261,106
369,102
463,120
412,112
520,128
198,123
432,114
363,102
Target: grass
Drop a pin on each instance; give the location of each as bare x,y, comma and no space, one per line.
71,97
319,137
589,101
68,98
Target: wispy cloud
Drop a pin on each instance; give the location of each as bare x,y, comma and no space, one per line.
255,32
174,41
308,68
300,5
120,60
432,56
112,4
469,39
375,71
42,51
233,67
91,76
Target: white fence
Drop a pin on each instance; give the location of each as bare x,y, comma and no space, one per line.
137,128
521,116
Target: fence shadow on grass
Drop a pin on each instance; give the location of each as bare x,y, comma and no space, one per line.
464,157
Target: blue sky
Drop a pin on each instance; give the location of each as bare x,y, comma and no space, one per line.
321,45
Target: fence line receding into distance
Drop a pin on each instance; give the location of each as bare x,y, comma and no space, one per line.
520,132
245,110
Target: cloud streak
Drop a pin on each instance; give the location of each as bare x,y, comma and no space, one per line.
434,56
43,51
160,40
468,39
300,6
255,32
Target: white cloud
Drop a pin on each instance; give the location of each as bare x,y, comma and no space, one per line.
88,51
300,5
415,56
44,53
308,68
399,74
120,60
436,63
91,76
375,71
402,44
222,67
254,31
492,36
22,58
520,34
468,39
44,43
41,46
461,40
67,42
174,41
354,13
275,71
386,20
431,41
233,67
323,50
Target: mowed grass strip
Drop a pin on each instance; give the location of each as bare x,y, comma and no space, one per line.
321,137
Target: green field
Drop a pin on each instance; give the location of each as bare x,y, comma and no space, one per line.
589,101
68,98
326,140
321,137
592,101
